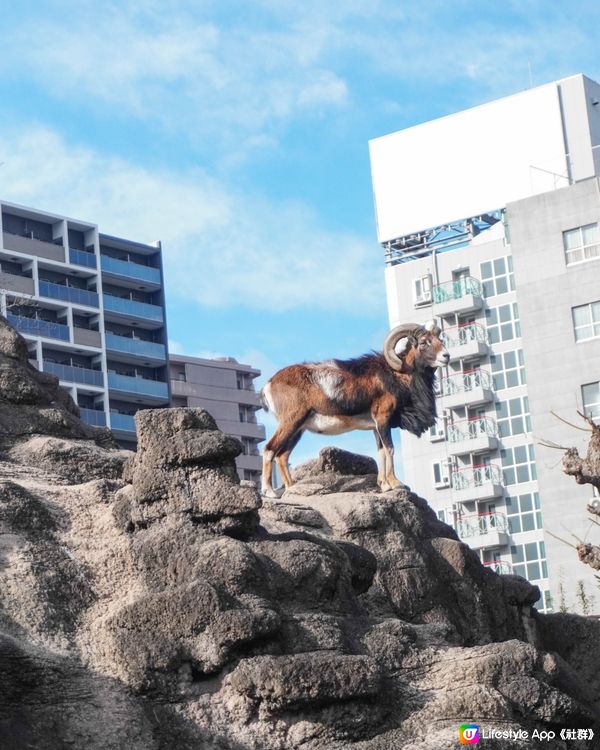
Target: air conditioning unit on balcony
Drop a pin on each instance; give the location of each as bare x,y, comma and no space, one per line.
422,290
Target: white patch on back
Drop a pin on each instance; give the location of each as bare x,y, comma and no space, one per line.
328,381
326,425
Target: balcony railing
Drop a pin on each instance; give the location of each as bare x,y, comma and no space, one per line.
135,346
502,568
68,294
37,327
83,375
133,308
475,476
81,258
93,417
457,289
130,270
465,381
471,429
464,334
481,524
140,386
124,422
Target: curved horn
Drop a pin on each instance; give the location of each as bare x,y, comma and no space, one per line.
393,337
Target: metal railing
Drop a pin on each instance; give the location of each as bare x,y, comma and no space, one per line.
475,476
471,429
464,334
140,386
481,524
502,568
135,346
129,269
39,327
133,308
123,422
457,289
465,381
93,417
68,294
81,258
83,375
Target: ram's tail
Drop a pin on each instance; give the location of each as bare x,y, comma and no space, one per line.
263,400
266,398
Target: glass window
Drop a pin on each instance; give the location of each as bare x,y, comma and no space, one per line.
581,244
497,276
590,396
586,321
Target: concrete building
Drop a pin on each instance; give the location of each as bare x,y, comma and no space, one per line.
92,310
224,387
489,220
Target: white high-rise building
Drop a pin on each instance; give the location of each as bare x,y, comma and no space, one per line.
489,220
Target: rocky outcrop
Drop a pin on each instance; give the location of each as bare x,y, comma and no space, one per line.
168,607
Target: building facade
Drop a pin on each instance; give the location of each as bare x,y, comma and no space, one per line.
506,254
92,309
224,387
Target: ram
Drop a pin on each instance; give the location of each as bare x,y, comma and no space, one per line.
378,391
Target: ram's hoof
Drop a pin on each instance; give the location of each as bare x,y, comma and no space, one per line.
384,487
272,493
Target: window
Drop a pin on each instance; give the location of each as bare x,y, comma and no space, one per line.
508,369
497,276
422,290
441,475
590,396
503,323
437,431
518,464
586,321
582,244
529,560
524,512
512,416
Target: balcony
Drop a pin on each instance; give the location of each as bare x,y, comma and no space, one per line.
476,483
29,246
71,374
81,258
93,417
36,327
69,294
484,531
502,568
136,347
19,284
466,341
122,423
125,269
472,436
151,389
469,388
460,296
87,337
132,309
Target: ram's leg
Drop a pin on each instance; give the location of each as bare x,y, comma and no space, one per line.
382,411
282,459
286,435
381,455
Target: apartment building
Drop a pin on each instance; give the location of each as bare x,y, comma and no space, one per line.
224,387
489,221
92,309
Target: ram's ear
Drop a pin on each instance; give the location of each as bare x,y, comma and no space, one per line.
404,344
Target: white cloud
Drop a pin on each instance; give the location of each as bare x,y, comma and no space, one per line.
221,247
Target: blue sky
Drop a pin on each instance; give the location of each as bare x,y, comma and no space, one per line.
237,134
